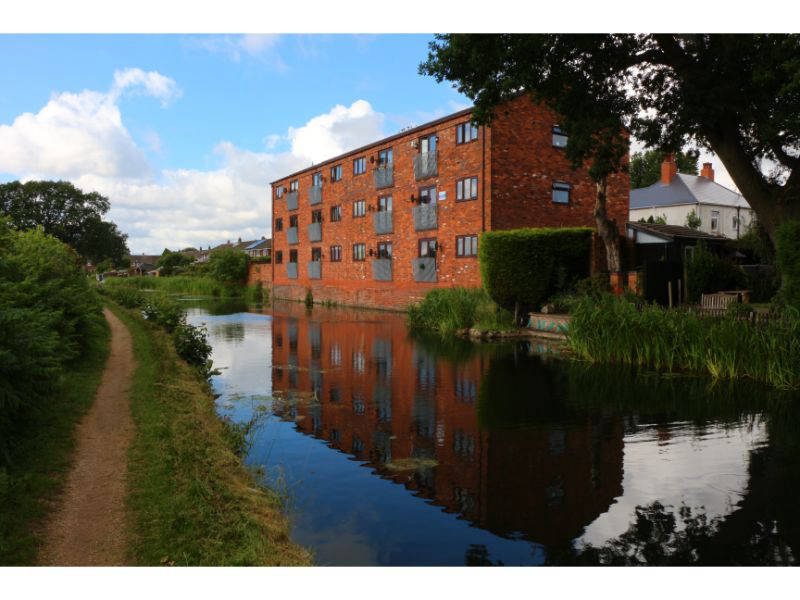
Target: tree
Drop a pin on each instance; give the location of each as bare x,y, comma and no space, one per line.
67,213
692,220
645,167
228,265
171,261
736,95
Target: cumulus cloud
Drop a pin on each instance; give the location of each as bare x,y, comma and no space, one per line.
82,138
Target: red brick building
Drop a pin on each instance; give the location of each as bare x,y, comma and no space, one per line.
383,224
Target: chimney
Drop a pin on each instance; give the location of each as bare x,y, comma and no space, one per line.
668,170
707,171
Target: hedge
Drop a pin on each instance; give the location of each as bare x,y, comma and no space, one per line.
788,256
523,268
707,273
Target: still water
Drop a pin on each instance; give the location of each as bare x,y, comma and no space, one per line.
395,450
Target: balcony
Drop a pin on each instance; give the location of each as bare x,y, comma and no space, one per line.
291,200
291,270
425,165
315,232
424,269
315,194
384,176
424,217
382,269
291,235
315,269
382,222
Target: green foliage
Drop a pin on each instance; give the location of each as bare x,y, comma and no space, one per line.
66,212
125,295
164,311
447,310
172,262
309,299
756,244
525,267
105,265
178,284
660,220
191,344
692,220
228,266
613,330
788,255
707,273
645,167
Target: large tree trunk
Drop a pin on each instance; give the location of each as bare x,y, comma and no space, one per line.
607,229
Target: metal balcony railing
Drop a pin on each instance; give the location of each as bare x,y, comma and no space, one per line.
384,176
291,200
424,269
425,165
291,235
291,270
315,269
424,217
382,222
315,194
315,232
382,269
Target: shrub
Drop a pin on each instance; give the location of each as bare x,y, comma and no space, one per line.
228,265
788,256
309,298
191,343
707,273
173,262
127,296
446,310
164,311
522,268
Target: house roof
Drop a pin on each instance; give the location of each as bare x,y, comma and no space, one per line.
686,189
259,244
671,232
144,259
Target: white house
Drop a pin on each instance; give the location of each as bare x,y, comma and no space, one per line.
721,211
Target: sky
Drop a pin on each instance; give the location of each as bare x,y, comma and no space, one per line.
183,133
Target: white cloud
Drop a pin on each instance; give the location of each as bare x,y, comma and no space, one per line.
258,46
82,138
151,83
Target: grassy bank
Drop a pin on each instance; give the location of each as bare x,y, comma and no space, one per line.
190,285
191,500
613,330
446,310
38,450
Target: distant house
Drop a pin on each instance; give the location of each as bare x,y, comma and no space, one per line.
141,264
721,211
253,248
259,248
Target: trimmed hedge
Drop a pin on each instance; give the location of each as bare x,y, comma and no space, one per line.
524,267
788,255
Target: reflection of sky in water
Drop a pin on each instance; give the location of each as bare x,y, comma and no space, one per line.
348,514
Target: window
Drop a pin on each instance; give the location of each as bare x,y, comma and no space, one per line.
335,395
427,247
467,245
384,249
316,216
359,208
735,222
559,137
359,361
561,192
316,179
428,143
714,220
336,213
316,254
336,355
359,166
385,157
279,191
466,132
279,224
279,257
292,256
336,173
385,204
359,252
336,253
427,195
293,186
292,220
467,189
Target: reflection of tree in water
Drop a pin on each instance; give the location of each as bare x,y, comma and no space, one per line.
477,555
230,332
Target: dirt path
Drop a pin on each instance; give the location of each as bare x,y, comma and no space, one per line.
88,526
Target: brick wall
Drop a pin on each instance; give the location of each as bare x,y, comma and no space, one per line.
259,272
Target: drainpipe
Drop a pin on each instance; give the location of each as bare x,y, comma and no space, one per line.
738,222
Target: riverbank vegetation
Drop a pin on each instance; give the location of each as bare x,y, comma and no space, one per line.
185,285
448,310
615,330
192,501
53,347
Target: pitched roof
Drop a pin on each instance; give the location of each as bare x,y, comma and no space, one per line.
670,232
686,189
259,244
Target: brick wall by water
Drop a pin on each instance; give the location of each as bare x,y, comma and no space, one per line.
259,272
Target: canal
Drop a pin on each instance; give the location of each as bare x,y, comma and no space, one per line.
391,449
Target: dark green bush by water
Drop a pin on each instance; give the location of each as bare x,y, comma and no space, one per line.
614,330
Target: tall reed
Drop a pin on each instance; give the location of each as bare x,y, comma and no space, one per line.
446,310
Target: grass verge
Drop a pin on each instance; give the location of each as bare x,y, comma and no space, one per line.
39,453
191,500
446,310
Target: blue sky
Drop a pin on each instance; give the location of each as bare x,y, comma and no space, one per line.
183,132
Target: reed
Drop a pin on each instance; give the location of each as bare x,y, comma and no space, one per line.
179,284
613,330
448,310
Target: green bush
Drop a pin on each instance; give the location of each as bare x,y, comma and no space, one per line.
127,296
163,311
228,266
707,273
523,268
191,343
446,310
788,256
173,262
